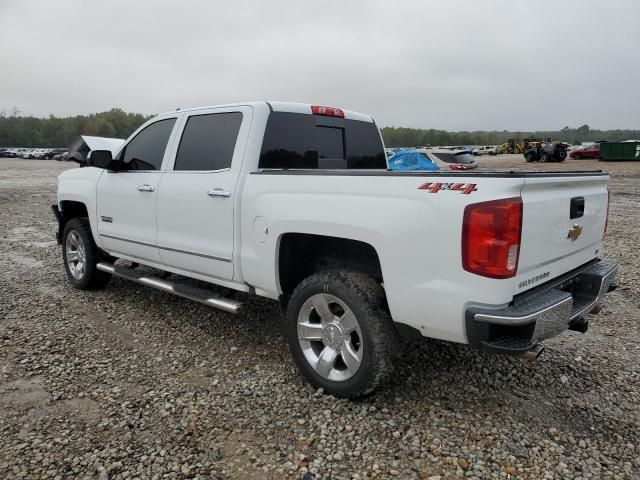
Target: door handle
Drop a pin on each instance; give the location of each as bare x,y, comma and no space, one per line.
145,188
218,192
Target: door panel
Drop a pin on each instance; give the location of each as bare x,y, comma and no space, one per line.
197,198
195,230
127,199
127,215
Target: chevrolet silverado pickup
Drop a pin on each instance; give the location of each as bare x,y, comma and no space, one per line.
295,203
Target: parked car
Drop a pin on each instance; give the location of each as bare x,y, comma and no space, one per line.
27,152
38,153
456,160
294,203
485,150
589,151
22,152
50,153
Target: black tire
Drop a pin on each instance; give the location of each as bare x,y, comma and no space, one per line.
91,278
380,341
577,156
544,158
530,157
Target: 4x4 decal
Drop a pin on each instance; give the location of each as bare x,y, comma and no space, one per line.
463,188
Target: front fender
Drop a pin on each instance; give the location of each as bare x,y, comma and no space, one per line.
80,185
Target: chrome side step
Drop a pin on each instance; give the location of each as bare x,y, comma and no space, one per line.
200,295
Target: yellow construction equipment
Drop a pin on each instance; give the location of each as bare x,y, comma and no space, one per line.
517,146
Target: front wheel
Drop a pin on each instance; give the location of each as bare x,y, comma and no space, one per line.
544,158
340,334
80,255
530,158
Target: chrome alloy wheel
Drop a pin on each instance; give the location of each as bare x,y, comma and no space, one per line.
76,255
330,337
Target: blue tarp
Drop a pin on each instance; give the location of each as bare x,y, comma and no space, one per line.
411,160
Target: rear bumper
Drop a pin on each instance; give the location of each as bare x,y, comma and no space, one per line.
532,317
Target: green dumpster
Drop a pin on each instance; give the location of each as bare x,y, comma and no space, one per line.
618,152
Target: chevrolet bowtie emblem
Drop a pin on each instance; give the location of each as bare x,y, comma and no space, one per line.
574,232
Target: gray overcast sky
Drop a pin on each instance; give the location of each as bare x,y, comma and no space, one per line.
473,65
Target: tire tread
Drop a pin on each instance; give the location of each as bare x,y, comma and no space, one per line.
384,336
93,278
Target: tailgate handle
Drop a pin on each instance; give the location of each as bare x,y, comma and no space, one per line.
577,207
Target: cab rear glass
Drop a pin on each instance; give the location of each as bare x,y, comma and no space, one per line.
301,141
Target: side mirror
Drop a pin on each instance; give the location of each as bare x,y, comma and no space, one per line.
102,159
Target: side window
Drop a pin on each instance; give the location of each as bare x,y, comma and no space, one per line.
208,141
146,150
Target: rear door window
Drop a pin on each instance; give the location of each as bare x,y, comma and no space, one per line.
302,141
208,141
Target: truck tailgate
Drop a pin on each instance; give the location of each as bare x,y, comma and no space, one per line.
562,226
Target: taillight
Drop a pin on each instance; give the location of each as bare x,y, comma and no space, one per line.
327,111
491,234
459,166
606,221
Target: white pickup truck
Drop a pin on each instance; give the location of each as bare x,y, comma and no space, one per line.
294,202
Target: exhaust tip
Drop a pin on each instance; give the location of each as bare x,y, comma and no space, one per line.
533,354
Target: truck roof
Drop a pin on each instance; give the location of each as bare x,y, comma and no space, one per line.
276,106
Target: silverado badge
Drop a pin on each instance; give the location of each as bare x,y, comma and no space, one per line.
574,232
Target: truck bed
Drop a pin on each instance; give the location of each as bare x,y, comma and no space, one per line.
474,173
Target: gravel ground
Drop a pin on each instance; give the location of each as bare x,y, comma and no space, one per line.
129,382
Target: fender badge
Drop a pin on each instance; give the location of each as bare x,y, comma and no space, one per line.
463,188
574,232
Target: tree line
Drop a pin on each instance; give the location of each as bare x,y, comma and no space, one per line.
404,137
25,131
21,131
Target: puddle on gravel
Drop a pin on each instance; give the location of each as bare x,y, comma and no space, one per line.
30,236
28,262
626,200
22,393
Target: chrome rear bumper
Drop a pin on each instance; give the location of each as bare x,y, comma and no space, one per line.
545,312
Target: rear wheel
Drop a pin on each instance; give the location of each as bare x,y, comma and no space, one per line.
340,334
530,157
544,158
80,255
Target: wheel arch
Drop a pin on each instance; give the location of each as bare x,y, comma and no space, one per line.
321,252
67,210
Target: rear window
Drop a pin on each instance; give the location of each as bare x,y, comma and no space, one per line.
297,140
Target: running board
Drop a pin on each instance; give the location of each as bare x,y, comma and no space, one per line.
200,295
